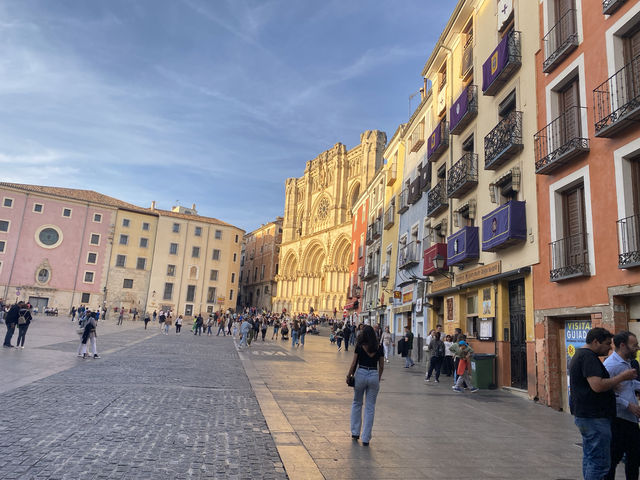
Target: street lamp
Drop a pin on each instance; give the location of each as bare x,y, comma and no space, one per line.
438,264
356,291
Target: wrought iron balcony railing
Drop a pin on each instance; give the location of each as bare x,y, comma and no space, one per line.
403,200
560,141
494,79
408,255
569,258
504,141
424,173
617,101
377,228
463,176
610,6
629,242
437,199
370,270
390,216
463,110
369,239
414,191
561,40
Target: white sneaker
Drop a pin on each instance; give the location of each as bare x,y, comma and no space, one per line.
427,379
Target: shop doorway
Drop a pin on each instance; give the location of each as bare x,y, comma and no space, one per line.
517,321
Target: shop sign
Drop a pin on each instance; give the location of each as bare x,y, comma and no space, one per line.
485,330
407,297
575,336
220,299
441,284
478,273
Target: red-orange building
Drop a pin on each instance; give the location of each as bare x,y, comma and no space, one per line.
360,213
588,180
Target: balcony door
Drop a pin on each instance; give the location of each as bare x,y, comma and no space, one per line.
565,26
631,58
569,103
574,250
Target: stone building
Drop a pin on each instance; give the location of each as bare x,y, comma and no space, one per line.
316,243
259,265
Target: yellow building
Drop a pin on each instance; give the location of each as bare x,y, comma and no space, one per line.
196,263
133,245
316,243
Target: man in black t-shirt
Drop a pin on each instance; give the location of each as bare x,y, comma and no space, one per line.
593,402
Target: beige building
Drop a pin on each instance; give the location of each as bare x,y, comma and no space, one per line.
133,245
316,244
259,265
196,263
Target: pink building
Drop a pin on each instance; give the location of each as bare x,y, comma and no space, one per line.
55,245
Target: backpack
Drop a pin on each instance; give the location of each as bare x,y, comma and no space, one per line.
21,318
440,349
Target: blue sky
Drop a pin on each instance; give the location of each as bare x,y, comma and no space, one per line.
213,102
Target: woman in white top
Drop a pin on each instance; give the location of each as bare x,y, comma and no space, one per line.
386,343
447,365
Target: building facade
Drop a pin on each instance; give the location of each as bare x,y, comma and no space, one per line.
316,243
259,265
587,151
359,214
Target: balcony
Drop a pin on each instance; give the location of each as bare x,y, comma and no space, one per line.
369,238
505,226
370,270
408,255
417,138
463,110
463,246
392,174
437,199
390,216
617,101
428,256
403,200
424,172
610,6
385,270
414,191
501,64
463,176
569,258
561,40
503,142
438,141
560,141
629,242
467,58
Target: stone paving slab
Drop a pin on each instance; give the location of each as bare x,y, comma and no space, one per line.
174,407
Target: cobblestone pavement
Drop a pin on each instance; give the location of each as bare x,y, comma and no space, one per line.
165,407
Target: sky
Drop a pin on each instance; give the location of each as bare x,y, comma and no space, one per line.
212,102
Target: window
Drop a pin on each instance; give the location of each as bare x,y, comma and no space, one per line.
235,256
230,294
171,270
127,283
255,274
92,258
66,212
195,252
266,289
145,226
198,231
168,291
176,228
88,277
211,295
121,260
95,239
126,222
193,272
472,315
233,277
188,310
7,202
236,238
173,249
276,268
213,275
144,242
141,263
191,292
97,218
216,254
3,246
4,225
43,275
262,272
218,234
85,298
508,105
124,239
38,207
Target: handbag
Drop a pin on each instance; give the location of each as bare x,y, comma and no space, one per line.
351,380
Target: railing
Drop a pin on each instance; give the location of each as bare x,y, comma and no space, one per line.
377,228
514,61
392,174
414,191
385,270
369,239
370,270
408,255
560,41
403,200
569,258
424,173
417,138
560,141
389,216
629,242
438,141
504,141
437,199
610,6
617,100
463,176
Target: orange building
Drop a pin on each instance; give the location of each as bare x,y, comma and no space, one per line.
587,154
360,213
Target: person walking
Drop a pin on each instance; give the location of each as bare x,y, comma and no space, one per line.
210,322
464,365
302,331
199,325
447,364
427,351
339,337
385,340
366,368
625,435
10,321
24,320
593,403
295,331
73,314
89,335
437,351
167,324
276,327
155,315
263,328
147,319
221,325
121,316
178,324
245,328
408,339
346,334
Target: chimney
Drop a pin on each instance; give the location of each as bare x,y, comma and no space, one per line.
153,204
193,206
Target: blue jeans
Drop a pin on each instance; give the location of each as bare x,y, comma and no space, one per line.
302,335
408,361
596,446
243,340
369,382
294,337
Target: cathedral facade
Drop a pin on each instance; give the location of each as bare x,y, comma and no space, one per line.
316,248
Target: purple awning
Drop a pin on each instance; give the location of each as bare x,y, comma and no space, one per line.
463,246
504,226
496,62
435,139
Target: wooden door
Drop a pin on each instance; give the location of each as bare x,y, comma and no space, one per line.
632,60
575,245
565,21
569,108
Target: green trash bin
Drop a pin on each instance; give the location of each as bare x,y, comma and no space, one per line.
482,370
